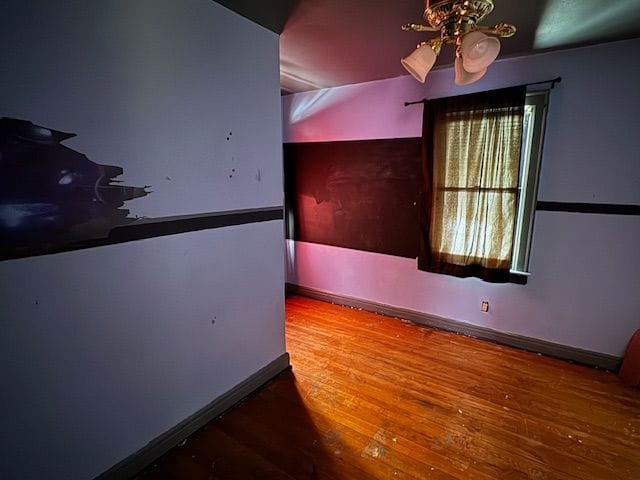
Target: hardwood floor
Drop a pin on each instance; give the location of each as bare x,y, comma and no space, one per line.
371,397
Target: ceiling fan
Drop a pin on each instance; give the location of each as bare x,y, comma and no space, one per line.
457,21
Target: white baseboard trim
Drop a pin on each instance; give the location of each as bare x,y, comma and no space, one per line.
564,352
137,461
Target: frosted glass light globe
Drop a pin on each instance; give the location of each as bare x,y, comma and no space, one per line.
478,51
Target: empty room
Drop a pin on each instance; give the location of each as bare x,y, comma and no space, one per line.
302,239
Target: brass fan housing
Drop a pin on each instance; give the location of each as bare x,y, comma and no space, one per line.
456,17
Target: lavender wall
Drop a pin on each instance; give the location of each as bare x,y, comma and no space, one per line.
584,283
104,349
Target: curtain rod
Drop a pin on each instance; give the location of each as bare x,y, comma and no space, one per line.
553,82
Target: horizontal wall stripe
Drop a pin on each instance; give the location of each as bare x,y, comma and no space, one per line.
159,227
191,223
564,352
600,208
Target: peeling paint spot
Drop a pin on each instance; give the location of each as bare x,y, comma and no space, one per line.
374,452
333,440
375,448
448,440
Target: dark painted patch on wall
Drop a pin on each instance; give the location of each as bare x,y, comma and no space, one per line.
52,195
355,194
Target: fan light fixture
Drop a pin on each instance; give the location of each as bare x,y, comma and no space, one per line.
457,22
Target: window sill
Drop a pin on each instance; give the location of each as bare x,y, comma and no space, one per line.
518,277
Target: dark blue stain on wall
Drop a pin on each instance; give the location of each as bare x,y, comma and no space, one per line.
52,196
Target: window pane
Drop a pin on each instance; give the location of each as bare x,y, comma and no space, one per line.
472,225
532,139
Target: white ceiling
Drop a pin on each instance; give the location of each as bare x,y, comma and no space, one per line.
326,43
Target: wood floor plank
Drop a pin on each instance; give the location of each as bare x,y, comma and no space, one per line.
372,397
462,399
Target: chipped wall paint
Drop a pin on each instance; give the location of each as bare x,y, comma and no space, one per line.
143,85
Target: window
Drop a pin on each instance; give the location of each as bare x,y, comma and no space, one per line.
535,114
481,168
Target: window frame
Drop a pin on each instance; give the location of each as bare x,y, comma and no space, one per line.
530,159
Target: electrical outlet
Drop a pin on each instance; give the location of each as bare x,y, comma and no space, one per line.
484,307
